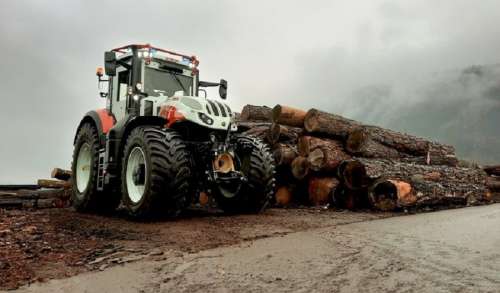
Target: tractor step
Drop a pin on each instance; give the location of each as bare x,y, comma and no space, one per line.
100,170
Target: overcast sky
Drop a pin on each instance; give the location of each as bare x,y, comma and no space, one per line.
302,53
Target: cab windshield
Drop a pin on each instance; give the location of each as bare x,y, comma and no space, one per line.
163,82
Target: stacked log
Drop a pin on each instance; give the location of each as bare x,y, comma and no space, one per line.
345,163
47,193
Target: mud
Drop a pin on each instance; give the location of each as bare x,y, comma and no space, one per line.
39,245
447,251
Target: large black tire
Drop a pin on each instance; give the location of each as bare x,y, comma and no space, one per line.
256,162
88,199
167,178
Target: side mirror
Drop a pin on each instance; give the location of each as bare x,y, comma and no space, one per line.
223,89
110,63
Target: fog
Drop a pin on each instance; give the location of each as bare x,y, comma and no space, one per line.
400,64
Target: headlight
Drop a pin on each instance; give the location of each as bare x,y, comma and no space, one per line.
205,118
139,86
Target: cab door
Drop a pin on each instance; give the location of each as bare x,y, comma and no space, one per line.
119,97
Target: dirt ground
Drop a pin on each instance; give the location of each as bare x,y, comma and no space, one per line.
447,251
39,245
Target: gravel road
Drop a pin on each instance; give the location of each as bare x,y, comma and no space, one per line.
447,251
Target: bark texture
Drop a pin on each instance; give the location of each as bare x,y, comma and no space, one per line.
255,113
288,116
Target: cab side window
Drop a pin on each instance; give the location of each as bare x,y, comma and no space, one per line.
123,82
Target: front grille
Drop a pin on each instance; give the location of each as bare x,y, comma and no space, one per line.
222,109
214,108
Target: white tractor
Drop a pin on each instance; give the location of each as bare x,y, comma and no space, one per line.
158,145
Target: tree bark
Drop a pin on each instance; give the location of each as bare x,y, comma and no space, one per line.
360,143
300,167
409,144
432,185
493,183
306,144
288,116
492,170
317,121
326,159
282,133
258,131
247,125
284,196
61,174
376,142
321,190
255,113
284,154
48,183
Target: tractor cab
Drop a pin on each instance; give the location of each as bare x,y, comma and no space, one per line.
139,74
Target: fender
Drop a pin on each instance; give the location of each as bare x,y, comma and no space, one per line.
103,121
117,137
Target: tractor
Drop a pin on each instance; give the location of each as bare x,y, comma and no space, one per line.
161,142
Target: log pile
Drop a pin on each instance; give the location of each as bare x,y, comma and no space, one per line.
324,158
493,182
47,193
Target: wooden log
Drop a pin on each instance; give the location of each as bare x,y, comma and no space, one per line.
325,159
288,116
376,142
408,144
388,195
353,175
258,131
350,199
255,113
359,143
321,190
284,196
431,184
284,154
492,170
493,183
282,133
300,167
317,121
247,125
61,174
48,183
306,144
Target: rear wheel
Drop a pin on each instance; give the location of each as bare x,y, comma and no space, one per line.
85,196
256,163
156,173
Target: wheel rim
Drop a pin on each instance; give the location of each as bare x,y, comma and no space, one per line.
136,162
83,163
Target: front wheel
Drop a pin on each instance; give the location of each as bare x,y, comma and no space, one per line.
85,196
156,173
256,163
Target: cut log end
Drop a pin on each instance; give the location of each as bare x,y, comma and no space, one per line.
311,122
300,168
283,196
60,174
353,174
321,190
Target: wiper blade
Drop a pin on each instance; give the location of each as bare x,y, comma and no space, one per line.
179,82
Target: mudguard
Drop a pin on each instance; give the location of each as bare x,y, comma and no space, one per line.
103,121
